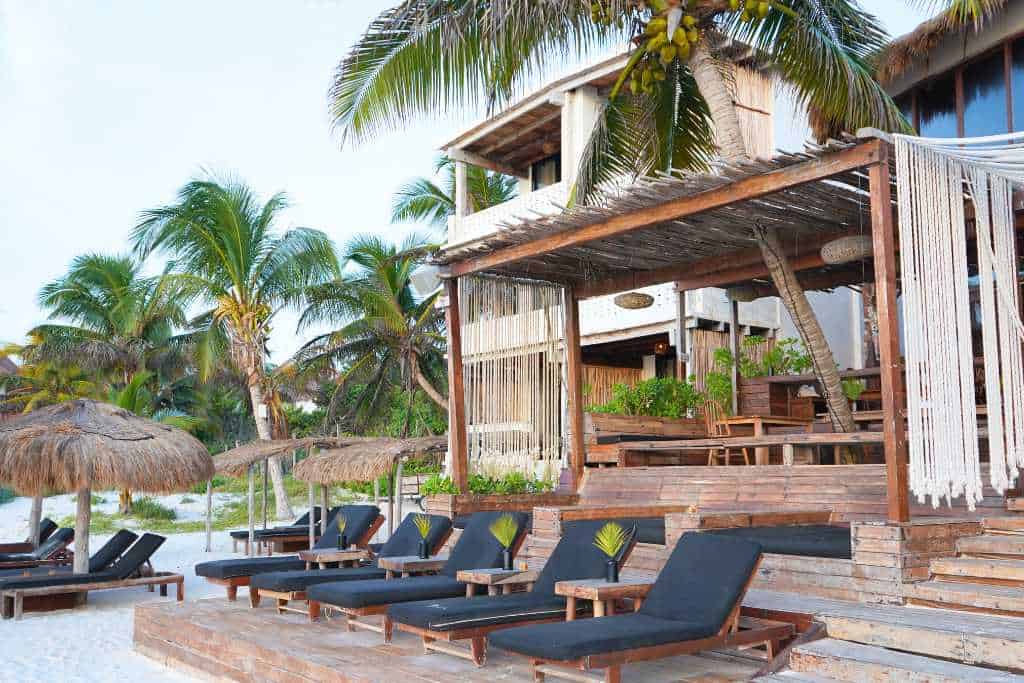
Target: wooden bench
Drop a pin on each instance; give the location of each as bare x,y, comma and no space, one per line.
12,602
639,453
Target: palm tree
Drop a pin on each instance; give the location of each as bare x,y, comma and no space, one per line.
225,248
386,335
425,201
119,321
421,56
42,383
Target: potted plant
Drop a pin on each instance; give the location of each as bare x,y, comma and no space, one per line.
609,540
505,530
423,526
342,541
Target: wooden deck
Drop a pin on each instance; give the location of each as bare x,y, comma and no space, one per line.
216,640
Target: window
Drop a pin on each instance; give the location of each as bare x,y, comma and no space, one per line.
546,172
985,96
936,106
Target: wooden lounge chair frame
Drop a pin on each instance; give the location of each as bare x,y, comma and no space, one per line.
235,582
736,632
13,603
477,636
386,626
283,598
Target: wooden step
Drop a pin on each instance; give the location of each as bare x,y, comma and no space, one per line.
848,661
991,545
978,639
1015,504
978,570
969,596
1005,525
794,677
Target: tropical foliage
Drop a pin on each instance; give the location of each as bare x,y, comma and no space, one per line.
655,397
610,539
423,200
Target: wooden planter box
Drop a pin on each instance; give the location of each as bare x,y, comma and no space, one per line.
759,396
596,424
456,505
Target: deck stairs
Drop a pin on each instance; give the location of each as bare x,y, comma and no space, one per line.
986,575
893,643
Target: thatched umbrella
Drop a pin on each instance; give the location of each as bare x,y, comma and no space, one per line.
368,461
240,460
84,444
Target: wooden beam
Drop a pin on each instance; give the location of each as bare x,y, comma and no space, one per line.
483,162
741,190
574,388
893,393
456,390
523,132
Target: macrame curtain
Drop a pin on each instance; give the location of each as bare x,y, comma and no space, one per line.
512,361
933,178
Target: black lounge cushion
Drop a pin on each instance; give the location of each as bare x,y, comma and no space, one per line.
300,525
383,592
405,541
451,614
568,640
139,554
460,521
46,528
302,579
810,540
575,556
651,530
357,518
100,561
693,596
477,548
62,579
60,539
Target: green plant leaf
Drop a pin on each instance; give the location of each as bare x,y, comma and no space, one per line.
505,529
610,539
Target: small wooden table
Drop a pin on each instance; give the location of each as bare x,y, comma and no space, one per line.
496,580
602,594
326,556
407,565
759,422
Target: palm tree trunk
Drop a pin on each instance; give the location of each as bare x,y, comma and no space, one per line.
124,502
428,388
34,517
282,506
729,137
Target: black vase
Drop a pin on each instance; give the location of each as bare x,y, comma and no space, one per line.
506,559
342,542
423,550
611,571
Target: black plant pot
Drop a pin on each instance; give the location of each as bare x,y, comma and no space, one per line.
506,559
342,542
423,550
611,571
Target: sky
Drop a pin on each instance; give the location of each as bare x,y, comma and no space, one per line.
108,107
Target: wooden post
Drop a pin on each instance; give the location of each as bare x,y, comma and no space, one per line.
681,349
34,517
398,493
252,511
266,466
209,514
325,498
734,349
82,518
376,499
574,388
893,392
456,390
391,505
312,516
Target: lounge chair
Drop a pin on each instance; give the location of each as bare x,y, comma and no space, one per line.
53,551
452,619
361,523
287,586
476,549
693,606
46,528
101,560
128,571
298,528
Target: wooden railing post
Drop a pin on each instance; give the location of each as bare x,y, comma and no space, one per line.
893,391
574,388
456,390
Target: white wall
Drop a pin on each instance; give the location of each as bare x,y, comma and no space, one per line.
841,316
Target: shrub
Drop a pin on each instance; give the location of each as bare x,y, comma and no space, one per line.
150,509
185,500
6,496
657,397
512,483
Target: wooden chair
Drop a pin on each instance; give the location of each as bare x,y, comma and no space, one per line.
716,426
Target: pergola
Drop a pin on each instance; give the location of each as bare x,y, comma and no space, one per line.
695,229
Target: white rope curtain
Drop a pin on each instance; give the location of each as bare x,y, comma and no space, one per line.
512,360
942,427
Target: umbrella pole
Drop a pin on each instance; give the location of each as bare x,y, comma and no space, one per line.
376,494
209,513
252,509
265,467
391,510
398,493
33,520
325,494
82,518
312,516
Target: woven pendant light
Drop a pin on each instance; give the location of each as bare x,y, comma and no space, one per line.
847,249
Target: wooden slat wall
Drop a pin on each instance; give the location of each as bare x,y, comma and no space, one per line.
755,98
702,355
599,379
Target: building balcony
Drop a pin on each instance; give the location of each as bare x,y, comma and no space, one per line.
546,201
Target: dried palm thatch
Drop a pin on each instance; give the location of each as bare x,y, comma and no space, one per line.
236,462
914,47
366,461
88,444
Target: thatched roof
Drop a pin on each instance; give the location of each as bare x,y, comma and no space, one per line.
366,461
915,46
87,443
236,462
7,366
